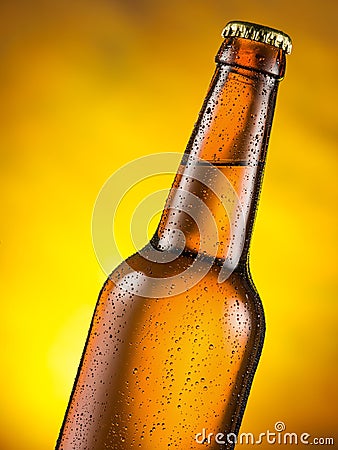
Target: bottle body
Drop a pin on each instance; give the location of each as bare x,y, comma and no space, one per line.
179,327
157,371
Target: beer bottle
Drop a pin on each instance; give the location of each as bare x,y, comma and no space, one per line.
179,326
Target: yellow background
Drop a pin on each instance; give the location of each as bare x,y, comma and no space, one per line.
87,86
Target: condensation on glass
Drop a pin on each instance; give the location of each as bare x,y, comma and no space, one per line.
158,367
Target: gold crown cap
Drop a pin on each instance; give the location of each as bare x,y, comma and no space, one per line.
259,33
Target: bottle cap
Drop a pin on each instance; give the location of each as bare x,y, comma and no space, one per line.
259,33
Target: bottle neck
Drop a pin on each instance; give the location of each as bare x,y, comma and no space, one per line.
211,206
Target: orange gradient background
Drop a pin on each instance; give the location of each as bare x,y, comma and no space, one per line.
88,86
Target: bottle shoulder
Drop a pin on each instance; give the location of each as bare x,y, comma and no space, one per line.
183,278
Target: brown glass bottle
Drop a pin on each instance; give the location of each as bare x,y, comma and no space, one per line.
179,327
